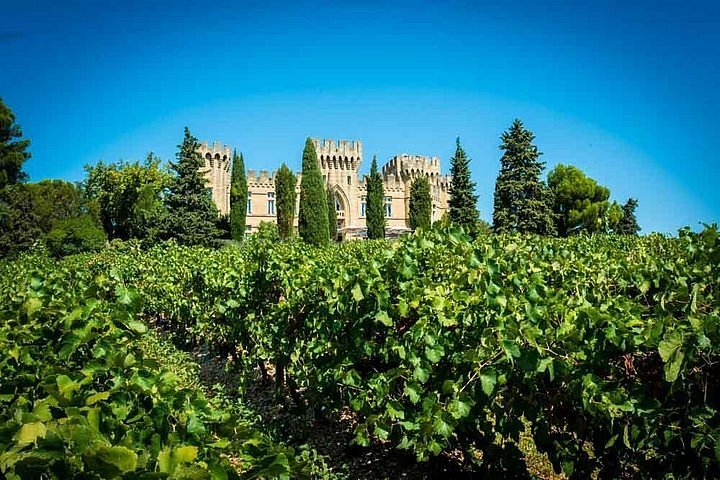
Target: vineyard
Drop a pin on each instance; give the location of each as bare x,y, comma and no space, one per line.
604,350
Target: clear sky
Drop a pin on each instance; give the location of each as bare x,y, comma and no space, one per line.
625,90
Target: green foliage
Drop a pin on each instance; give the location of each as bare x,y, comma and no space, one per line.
191,211
286,197
75,235
375,203
579,203
462,204
313,215
332,214
238,198
29,211
607,345
628,225
129,196
521,202
420,209
13,152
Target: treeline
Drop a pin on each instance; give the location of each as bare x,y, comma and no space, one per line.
147,201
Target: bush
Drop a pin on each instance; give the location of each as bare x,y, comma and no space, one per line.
75,235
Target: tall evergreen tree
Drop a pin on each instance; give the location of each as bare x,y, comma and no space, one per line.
13,153
192,213
420,203
462,203
521,198
580,204
628,224
238,197
285,182
375,208
313,215
332,215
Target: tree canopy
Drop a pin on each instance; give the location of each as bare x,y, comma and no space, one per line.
238,197
521,202
420,208
375,203
13,151
286,197
462,204
628,224
313,215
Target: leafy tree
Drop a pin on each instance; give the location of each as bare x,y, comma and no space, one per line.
13,153
522,202
28,211
238,198
313,218
285,183
420,213
129,196
375,208
462,203
628,224
75,235
579,202
332,215
192,213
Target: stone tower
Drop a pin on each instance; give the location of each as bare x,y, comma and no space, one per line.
217,172
400,171
339,163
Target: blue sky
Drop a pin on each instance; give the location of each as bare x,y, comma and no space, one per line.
626,91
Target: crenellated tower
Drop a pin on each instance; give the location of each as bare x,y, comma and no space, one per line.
217,172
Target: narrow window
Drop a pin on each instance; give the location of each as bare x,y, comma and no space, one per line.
271,203
349,180
363,206
249,206
388,207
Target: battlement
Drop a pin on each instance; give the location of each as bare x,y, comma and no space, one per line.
349,148
217,151
263,178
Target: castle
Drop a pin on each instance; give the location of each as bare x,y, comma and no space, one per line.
339,163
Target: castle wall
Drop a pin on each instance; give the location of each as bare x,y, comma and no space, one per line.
339,162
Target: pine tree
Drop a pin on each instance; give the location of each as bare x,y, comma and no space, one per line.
420,209
285,182
12,152
189,201
332,215
521,198
628,224
238,198
375,208
313,218
462,203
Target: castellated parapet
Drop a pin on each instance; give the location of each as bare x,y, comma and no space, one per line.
217,172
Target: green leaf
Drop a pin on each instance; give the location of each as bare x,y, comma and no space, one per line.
672,368
67,386
434,354
511,349
97,397
670,344
413,391
29,432
488,379
357,292
122,458
395,410
384,318
420,374
32,305
442,427
186,453
459,408
195,426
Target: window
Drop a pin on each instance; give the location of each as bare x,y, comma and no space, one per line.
249,208
363,206
388,207
271,203
338,205
349,180
324,178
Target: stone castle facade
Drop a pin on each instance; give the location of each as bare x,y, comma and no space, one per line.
340,163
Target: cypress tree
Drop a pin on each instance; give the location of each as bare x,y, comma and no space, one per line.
521,200
332,215
462,204
191,209
313,218
238,197
420,204
285,182
375,208
12,152
628,224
